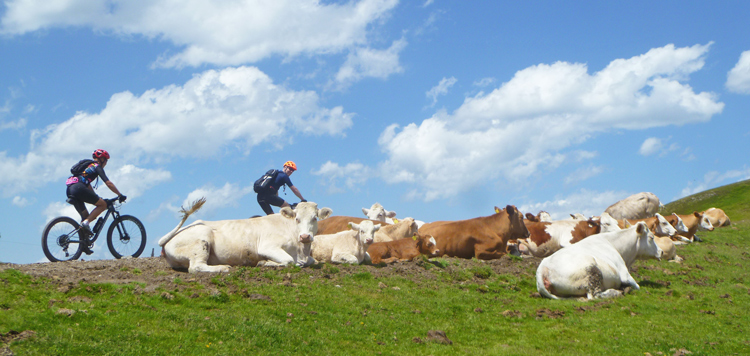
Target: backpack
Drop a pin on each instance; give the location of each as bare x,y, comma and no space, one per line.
264,183
81,166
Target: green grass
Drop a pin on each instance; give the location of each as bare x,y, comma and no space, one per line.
699,306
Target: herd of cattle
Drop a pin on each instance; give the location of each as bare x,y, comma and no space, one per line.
582,257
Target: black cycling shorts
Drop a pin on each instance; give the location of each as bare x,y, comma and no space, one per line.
265,200
79,192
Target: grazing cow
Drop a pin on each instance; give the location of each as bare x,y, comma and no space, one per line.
636,206
596,267
403,249
717,217
337,223
547,237
345,246
485,237
213,246
694,222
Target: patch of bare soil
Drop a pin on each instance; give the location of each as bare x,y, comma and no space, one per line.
155,272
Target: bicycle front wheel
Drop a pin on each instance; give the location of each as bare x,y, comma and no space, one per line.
61,240
126,237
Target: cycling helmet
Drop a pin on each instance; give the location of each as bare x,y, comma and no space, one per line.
100,153
291,165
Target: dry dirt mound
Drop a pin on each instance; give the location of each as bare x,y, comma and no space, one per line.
154,271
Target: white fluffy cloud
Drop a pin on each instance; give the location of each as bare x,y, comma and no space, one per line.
440,89
217,198
229,32
521,126
650,146
335,177
235,108
368,62
738,79
715,179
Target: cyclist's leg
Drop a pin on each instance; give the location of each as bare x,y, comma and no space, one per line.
101,205
77,203
263,205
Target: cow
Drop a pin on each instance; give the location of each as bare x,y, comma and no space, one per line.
345,246
484,238
694,222
658,224
637,206
340,223
377,212
663,234
547,237
596,267
402,229
403,249
542,216
213,246
717,217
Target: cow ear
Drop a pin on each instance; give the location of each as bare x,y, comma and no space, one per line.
376,227
497,210
324,213
287,212
640,228
390,214
353,226
627,223
366,211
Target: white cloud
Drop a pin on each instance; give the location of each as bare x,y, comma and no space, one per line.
583,174
715,179
235,108
543,109
367,62
56,209
335,177
134,181
440,89
484,82
589,203
216,32
217,198
20,201
738,79
13,125
650,146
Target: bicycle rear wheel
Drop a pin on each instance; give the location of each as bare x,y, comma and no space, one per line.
126,237
61,240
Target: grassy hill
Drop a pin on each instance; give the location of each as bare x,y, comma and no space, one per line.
734,199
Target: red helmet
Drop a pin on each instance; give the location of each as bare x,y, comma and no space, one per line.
291,165
100,153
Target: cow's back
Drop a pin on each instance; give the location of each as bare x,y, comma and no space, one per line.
237,242
637,206
340,223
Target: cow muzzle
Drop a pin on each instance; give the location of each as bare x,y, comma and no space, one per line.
305,238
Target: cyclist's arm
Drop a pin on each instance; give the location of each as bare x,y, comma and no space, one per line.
112,187
296,192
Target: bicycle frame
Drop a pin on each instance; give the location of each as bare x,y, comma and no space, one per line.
110,211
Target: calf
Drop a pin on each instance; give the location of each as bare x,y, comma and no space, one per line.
596,267
346,246
403,249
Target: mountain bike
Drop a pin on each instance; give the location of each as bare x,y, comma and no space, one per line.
62,238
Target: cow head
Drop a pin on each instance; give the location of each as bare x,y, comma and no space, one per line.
678,224
663,227
377,212
608,223
427,245
365,231
516,226
705,222
646,245
306,216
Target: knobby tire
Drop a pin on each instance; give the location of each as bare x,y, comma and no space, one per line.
57,236
126,237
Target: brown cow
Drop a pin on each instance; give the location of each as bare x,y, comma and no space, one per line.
694,222
403,249
402,229
485,237
341,223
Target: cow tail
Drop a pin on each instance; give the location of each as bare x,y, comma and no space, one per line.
541,274
185,214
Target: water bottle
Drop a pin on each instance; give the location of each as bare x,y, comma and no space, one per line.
98,224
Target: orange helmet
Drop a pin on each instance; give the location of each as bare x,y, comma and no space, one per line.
291,165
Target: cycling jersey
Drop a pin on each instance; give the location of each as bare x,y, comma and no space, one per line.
89,174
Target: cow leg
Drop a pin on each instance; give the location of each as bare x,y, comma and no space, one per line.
275,258
192,249
342,258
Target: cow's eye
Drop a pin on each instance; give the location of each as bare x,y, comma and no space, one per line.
297,220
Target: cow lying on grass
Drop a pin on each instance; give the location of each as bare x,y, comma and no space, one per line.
213,246
403,249
597,266
347,246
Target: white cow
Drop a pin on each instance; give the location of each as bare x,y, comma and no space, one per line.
274,240
637,206
378,212
664,232
597,266
345,246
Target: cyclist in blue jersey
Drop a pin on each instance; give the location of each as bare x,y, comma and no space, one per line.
271,197
79,191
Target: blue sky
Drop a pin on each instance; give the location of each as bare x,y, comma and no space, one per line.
438,110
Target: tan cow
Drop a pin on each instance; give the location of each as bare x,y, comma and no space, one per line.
403,249
340,223
694,222
485,237
717,217
213,246
637,206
